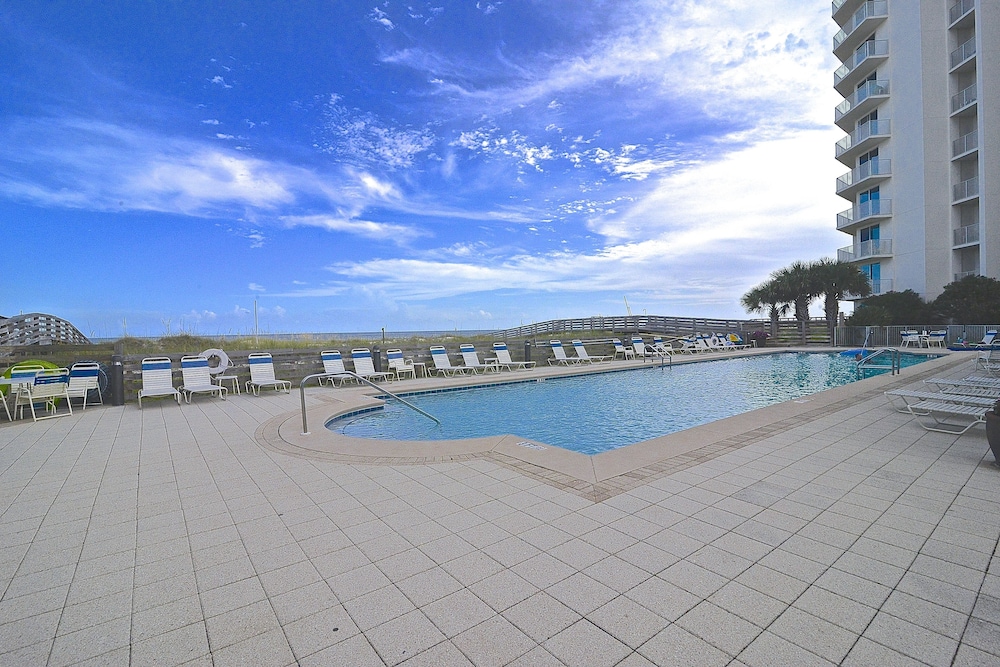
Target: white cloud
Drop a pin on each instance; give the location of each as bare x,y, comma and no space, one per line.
382,231
210,121
254,287
219,81
363,137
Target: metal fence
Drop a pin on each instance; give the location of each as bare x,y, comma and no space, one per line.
892,336
680,326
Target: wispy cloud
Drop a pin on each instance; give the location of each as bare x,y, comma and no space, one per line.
374,230
363,138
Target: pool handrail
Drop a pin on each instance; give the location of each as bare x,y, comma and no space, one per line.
359,379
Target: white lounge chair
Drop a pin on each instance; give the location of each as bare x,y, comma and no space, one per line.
970,381
400,365
909,338
262,374
689,345
85,377
504,360
157,380
641,350
937,338
560,358
49,386
626,352
333,364
581,352
987,339
365,367
442,363
944,413
471,359
20,377
196,378
910,399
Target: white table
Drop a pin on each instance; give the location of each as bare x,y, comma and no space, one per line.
234,381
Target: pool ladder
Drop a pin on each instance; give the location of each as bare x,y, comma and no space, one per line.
302,395
867,362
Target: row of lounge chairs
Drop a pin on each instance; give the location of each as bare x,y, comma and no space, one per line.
954,408
32,386
157,378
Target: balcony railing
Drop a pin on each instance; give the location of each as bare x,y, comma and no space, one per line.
875,128
869,209
965,143
966,189
966,235
957,10
966,274
964,98
876,47
869,89
865,249
869,10
874,167
963,53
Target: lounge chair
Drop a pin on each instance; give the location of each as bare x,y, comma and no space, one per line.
641,350
988,360
909,338
157,380
581,352
196,378
20,377
504,360
661,349
560,358
400,365
85,377
937,339
49,386
262,374
442,363
689,345
471,359
970,381
365,366
940,412
333,365
910,399
626,352
987,339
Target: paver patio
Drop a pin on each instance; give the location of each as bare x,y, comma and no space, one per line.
181,535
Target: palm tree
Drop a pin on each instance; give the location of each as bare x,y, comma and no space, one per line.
836,280
765,298
797,285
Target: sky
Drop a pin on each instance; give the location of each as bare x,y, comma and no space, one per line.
346,166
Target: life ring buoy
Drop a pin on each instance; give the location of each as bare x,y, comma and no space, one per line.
223,363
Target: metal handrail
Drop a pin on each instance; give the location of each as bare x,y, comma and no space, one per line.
895,360
302,395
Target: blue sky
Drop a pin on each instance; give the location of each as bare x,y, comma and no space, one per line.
421,165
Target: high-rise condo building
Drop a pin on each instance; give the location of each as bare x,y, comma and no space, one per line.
921,113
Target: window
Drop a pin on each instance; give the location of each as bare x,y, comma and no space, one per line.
868,234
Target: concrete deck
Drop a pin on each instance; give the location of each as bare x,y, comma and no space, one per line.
829,531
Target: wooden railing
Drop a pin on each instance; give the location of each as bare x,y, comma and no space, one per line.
679,326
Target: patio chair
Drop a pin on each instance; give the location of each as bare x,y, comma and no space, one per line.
197,379
471,359
400,365
85,377
661,349
262,374
442,363
49,386
987,339
937,338
157,380
505,362
581,352
625,352
560,358
641,350
944,414
20,376
689,345
333,364
909,399
971,381
365,367
988,360
909,338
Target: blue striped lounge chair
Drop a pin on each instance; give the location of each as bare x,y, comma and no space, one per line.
333,366
196,378
157,380
85,379
400,365
442,363
625,352
505,362
262,374
582,353
365,367
49,386
471,359
560,358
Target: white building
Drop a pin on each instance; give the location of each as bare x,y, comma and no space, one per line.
921,110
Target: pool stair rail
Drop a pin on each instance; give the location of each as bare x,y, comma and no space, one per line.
871,361
360,380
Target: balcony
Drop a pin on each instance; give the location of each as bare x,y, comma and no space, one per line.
865,250
860,25
860,64
960,10
965,144
875,170
862,140
869,211
963,54
965,190
882,286
967,235
861,102
966,274
963,100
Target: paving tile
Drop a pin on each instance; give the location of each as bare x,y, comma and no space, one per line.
845,612
769,649
316,632
538,657
90,642
663,598
983,635
581,593
541,616
493,642
403,637
584,644
269,648
912,640
503,590
814,634
628,621
675,646
239,624
718,627
444,654
174,647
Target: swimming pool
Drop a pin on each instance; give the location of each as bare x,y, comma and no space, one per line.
602,411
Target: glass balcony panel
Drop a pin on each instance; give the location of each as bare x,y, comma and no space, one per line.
965,143
966,274
957,10
877,47
881,286
964,98
864,250
871,9
869,89
963,53
966,235
966,189
874,167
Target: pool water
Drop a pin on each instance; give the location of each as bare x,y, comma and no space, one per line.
603,411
